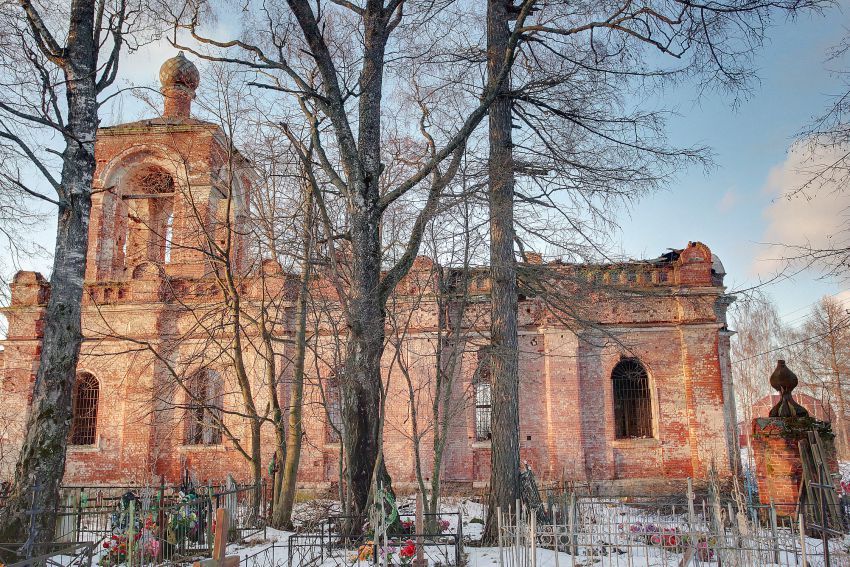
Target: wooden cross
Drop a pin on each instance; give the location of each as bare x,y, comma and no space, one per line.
420,560
218,559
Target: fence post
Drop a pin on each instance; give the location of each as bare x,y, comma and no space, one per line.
691,512
573,519
803,539
518,529
499,528
459,536
210,516
534,538
79,526
823,521
131,531
774,535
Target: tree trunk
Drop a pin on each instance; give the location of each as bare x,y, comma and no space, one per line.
256,469
361,386
30,513
504,460
41,464
289,471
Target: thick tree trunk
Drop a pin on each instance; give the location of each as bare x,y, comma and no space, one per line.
30,513
361,384
504,461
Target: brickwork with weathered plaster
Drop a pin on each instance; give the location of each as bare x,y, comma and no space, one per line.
668,313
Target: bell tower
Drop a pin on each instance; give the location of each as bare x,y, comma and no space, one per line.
163,188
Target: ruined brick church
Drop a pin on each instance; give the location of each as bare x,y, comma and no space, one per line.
637,391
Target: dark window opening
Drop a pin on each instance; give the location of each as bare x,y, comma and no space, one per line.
483,411
84,410
632,403
204,409
148,224
483,398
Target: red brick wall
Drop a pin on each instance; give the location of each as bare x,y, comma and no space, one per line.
779,469
670,320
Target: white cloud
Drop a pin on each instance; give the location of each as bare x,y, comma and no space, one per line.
728,201
798,215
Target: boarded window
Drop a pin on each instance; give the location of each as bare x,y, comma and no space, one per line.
204,409
632,404
84,410
333,408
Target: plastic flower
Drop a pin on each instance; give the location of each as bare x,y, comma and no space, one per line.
409,549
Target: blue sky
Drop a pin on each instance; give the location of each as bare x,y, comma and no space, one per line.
733,208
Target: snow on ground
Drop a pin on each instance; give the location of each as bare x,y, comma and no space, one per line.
844,469
612,541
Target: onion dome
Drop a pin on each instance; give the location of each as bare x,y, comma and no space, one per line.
180,78
179,72
784,381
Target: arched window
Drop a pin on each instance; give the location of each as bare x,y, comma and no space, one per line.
632,403
84,410
149,202
483,399
333,408
204,409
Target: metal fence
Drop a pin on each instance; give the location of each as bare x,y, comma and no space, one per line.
620,533
147,525
329,544
54,555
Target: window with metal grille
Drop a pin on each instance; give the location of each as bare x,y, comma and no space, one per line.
84,410
483,397
483,411
632,403
204,409
333,408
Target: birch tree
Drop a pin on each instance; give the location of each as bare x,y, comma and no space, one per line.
57,60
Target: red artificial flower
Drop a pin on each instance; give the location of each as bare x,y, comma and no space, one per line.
408,550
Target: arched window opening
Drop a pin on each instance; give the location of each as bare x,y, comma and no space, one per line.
632,403
483,398
149,197
84,410
204,409
333,409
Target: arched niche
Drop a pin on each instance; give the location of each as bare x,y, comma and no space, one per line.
138,209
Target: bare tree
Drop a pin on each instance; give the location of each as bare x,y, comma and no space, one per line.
822,348
57,61
356,170
336,61
755,347
432,369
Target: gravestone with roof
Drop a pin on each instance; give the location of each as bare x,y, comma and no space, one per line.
776,444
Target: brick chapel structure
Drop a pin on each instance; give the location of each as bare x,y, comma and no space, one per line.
632,385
